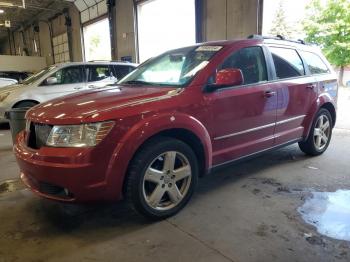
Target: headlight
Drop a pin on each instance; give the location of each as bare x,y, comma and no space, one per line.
4,96
85,135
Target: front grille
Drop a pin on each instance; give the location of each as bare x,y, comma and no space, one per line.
38,134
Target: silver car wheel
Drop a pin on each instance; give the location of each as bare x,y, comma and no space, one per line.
321,132
167,180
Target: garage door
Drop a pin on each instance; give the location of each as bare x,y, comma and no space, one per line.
164,25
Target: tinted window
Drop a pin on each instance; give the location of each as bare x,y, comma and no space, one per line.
251,61
122,70
98,73
315,63
69,75
287,62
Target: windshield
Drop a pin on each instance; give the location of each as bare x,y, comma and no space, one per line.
173,68
38,75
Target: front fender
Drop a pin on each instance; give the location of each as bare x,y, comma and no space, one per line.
145,129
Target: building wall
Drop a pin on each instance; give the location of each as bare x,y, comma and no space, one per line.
43,38
125,33
230,19
222,19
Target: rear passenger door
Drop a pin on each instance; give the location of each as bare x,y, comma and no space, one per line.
296,90
99,76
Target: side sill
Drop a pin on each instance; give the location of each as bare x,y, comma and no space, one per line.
253,155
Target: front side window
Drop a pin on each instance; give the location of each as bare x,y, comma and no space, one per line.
98,72
315,63
251,62
173,68
38,75
287,62
64,76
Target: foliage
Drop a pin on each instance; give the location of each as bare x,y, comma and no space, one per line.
280,25
328,25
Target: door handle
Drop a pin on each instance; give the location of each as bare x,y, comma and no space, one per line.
92,86
311,86
269,93
78,87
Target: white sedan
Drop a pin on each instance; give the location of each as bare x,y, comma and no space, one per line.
59,80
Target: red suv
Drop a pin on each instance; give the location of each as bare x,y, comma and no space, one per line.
176,117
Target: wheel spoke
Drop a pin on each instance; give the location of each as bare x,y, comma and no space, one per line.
317,132
318,141
321,121
156,196
174,194
153,175
325,126
169,161
182,172
324,138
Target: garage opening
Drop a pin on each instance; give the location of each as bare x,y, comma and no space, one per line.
97,43
164,25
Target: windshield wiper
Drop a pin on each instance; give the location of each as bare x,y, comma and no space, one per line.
137,82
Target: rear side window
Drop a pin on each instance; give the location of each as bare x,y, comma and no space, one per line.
315,63
122,70
98,72
251,62
287,62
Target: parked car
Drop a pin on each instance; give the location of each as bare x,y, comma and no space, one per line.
7,82
19,76
175,118
59,80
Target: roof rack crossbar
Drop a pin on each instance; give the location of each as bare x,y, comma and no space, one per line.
278,37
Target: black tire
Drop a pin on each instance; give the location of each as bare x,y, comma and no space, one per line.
309,146
25,104
147,156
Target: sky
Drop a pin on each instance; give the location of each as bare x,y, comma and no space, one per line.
294,11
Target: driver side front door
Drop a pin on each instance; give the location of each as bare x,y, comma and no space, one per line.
244,116
63,82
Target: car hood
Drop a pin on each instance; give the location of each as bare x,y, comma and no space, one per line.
86,106
11,88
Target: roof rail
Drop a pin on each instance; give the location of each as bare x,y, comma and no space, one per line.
278,37
99,60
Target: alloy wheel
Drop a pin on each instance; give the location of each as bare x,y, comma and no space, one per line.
167,180
321,132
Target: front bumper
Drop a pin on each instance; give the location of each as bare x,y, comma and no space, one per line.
64,174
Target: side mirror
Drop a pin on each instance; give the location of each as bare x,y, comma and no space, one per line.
229,77
51,80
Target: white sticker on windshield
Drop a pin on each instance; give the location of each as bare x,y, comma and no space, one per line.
209,48
197,68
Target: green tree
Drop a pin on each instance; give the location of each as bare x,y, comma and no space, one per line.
328,25
279,23
94,43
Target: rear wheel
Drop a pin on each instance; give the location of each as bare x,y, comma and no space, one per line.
320,134
162,178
